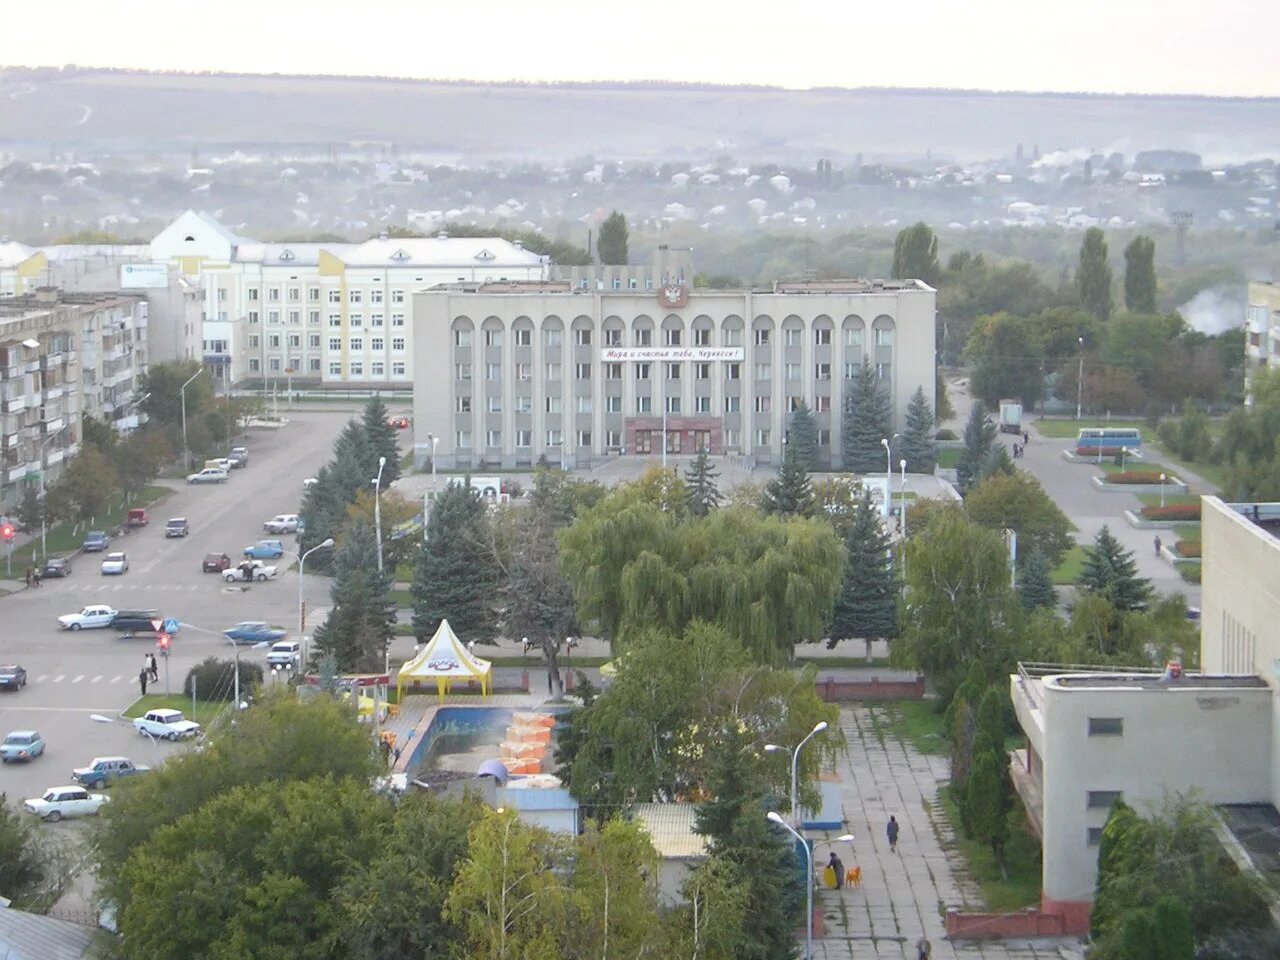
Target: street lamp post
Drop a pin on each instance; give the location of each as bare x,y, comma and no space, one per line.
377,508
808,886
256,646
182,394
44,527
1080,378
426,515
795,760
1162,480
302,614
902,465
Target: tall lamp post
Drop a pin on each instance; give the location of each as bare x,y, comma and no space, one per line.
302,611
888,473
1080,378
1162,480
182,394
902,465
426,515
44,526
795,760
808,886
377,508
256,646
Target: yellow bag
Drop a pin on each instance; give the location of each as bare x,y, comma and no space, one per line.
829,878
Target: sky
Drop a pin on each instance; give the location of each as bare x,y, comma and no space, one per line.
1097,46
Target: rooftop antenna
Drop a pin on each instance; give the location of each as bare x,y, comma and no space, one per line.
1181,221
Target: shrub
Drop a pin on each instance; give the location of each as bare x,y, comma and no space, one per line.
946,434
1187,548
1177,511
215,679
1135,476
1108,453
1190,572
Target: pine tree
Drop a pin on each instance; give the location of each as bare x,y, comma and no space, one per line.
381,439
701,492
1111,572
359,625
918,447
455,576
803,436
866,422
612,245
1035,582
1140,275
998,461
868,603
789,493
979,440
1093,279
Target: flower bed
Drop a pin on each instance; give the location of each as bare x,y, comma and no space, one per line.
1135,476
1176,511
1187,548
1108,453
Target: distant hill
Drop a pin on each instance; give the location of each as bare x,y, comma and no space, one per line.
139,112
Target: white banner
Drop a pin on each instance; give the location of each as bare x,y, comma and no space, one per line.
672,354
144,276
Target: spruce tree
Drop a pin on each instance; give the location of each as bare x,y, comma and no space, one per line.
1035,581
701,493
1140,275
998,461
612,245
979,440
868,603
918,447
866,422
803,436
1093,279
359,625
455,576
789,493
381,439
1110,571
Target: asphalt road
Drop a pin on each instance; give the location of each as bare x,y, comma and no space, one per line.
73,675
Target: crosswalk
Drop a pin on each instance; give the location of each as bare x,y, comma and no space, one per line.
79,678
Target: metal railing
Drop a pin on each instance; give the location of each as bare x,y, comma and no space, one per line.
1032,671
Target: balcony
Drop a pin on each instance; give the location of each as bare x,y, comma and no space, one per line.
1030,790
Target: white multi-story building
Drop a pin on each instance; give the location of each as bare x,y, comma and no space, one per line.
509,373
1262,331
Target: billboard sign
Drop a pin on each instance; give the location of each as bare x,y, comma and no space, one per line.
672,354
144,276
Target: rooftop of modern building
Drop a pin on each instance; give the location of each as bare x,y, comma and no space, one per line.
45,299
1075,676
1263,514
845,286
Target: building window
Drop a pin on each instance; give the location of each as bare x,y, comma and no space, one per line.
462,371
335,369
792,335
733,337
397,344
375,296
582,371
524,438
397,296
851,370
613,404
493,438
582,337
822,371
584,404
275,364
1093,836
731,438
554,438
584,438
644,338
793,404
524,404
493,338
822,404
357,369
376,369
764,404
762,438
335,344
462,338
553,371
613,439
357,343
254,341
463,439
353,296
613,338
335,296
397,369
375,319
313,317
495,404
314,365
882,371
733,371
253,316
1106,727
644,405
356,319
824,438
793,371
397,319
1102,799
335,319
884,337
673,371
551,404
673,404
313,340
375,344
295,295
522,337
762,337
613,371
853,337
273,316
764,371
554,338
313,294
273,341
822,336
253,293
464,404
702,404
493,371
642,371
671,337
732,404
524,371
273,295
702,337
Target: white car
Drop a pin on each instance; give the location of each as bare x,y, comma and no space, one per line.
166,724
256,570
115,563
282,523
208,475
59,802
310,482
90,618
285,653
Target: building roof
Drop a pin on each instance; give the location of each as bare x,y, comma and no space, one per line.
287,254
13,253
31,936
440,252
97,251
670,829
1155,681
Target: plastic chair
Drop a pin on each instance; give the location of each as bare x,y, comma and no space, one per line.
853,878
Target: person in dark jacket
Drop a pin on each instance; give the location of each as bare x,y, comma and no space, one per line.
891,830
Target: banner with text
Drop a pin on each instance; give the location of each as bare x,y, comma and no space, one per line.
671,354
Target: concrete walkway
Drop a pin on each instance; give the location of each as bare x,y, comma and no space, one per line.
903,894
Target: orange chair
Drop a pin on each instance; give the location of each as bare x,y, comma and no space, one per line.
853,877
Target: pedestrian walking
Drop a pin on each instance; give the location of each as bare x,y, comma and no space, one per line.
1159,543
837,867
30,578
142,680
923,949
891,830
1026,438
153,667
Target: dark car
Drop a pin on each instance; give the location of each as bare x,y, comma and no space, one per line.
12,677
95,541
239,457
215,563
136,621
55,567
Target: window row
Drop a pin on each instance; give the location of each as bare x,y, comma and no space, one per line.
671,337
644,371
356,369
555,405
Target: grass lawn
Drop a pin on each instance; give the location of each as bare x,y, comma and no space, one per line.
1067,571
820,662
1188,531
916,721
1170,499
1021,856
1137,466
1214,473
1068,429
1190,572
400,598
947,459
203,713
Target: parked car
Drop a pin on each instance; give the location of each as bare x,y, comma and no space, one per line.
215,563
286,653
265,550
12,677
58,803
282,523
398,423
218,463
137,517
239,457
176,527
136,621
115,564
90,618
22,745
55,567
248,570
95,541
208,475
166,724
255,631
102,770
310,482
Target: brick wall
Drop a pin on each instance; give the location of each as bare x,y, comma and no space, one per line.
1029,923
840,691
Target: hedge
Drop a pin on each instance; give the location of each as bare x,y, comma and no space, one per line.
1190,572
1133,476
1177,511
1187,548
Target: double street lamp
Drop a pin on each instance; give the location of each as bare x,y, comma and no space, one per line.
302,610
377,508
774,817
795,760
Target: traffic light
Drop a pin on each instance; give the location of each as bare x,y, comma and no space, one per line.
162,641
7,531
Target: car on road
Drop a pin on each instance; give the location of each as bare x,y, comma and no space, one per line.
208,475
176,527
310,482
239,457
137,518
166,724
102,770
286,653
136,621
282,523
115,564
90,618
59,803
95,541
12,677
55,567
23,745
254,631
249,570
265,550
214,563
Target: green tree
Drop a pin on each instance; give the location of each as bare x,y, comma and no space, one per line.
866,422
1016,501
1120,819
31,511
1093,278
87,487
1008,360
701,491
915,254
162,386
139,457
1140,275
614,908
868,603
1110,571
942,409
1035,582
536,599
789,492
709,924
381,438
33,871
987,802
979,441
95,432
612,245
1138,936
918,447
358,628
803,436
456,576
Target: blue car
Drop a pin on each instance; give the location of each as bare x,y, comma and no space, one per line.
23,745
265,550
95,541
255,631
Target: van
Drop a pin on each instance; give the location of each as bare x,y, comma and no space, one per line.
285,653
